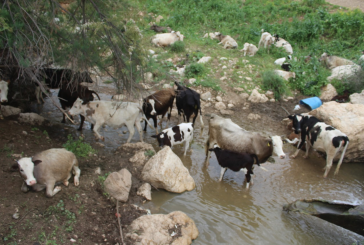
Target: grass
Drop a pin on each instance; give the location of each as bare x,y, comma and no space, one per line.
149,153
78,147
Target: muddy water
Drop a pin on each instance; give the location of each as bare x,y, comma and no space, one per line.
227,213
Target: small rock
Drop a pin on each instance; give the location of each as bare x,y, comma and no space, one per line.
269,94
25,133
125,132
290,98
223,58
223,78
159,18
220,106
100,144
252,116
16,216
244,96
98,170
72,240
145,191
224,67
206,96
272,100
191,80
248,78
204,59
239,89
218,98
167,85
230,105
226,112
151,51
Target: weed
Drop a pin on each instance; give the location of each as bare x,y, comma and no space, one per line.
101,180
194,70
45,133
178,47
11,235
75,198
272,81
149,153
60,211
78,147
35,129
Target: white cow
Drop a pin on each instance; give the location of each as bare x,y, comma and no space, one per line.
212,35
266,40
227,41
230,136
249,49
111,113
176,135
166,39
4,87
280,61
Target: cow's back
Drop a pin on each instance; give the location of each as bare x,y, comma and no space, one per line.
56,164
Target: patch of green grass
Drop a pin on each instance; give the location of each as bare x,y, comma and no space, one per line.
78,147
195,70
45,133
11,234
178,47
149,153
277,84
101,180
60,211
35,129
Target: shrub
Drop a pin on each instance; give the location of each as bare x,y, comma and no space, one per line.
194,70
78,147
272,81
178,47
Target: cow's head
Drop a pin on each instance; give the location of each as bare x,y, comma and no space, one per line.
76,108
278,146
296,122
26,168
4,87
162,139
149,106
180,36
324,56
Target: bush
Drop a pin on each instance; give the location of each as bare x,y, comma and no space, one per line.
194,70
272,81
178,47
78,147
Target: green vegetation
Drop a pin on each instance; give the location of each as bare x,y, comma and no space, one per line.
178,47
59,211
277,84
101,180
195,70
149,153
78,147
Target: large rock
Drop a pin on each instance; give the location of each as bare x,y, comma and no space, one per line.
328,92
118,184
206,96
357,98
204,59
32,119
145,191
140,146
349,119
220,106
256,97
8,111
161,229
165,170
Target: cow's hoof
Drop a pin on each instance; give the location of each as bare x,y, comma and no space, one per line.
293,156
305,157
66,183
76,182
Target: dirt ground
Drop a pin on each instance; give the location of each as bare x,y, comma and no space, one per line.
352,4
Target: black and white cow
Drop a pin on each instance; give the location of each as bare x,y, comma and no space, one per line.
320,136
176,135
236,162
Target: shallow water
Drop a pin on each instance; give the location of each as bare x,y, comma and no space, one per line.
228,213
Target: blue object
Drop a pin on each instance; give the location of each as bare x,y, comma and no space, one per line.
313,102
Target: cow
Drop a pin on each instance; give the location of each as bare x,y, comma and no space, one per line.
110,113
158,104
188,103
212,35
249,49
320,136
67,96
176,135
4,87
332,61
227,41
47,168
230,136
166,39
236,162
266,40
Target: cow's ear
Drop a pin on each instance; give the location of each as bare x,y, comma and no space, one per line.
14,167
212,149
36,162
154,136
291,117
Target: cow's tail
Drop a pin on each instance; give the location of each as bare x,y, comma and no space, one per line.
202,124
144,118
207,146
345,141
93,92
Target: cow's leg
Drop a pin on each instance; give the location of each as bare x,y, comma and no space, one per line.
96,128
131,131
51,190
295,154
329,159
82,121
222,173
64,117
308,145
341,158
187,144
76,172
65,181
248,173
145,125
207,152
155,123
139,128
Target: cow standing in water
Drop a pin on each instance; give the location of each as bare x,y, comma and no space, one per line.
4,87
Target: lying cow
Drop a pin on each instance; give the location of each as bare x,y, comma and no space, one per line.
158,104
166,39
229,136
212,35
110,113
46,168
266,40
320,136
227,41
236,162
4,87
160,29
68,95
332,61
176,135
249,49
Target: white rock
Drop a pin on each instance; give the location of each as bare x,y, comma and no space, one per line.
226,112
269,94
230,105
8,111
252,116
145,191
174,113
167,85
256,97
206,96
357,98
220,106
223,78
224,67
239,89
223,58
118,184
328,92
218,98
166,171
204,59
159,18
151,51
31,118
244,96
191,80
148,76
248,78
118,97
290,98
272,100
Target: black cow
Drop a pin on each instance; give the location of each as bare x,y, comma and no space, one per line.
188,103
320,136
236,162
67,96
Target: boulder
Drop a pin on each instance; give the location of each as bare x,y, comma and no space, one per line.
145,191
32,119
357,98
220,106
204,59
349,119
174,228
118,185
206,96
165,170
138,160
148,76
328,92
8,111
256,97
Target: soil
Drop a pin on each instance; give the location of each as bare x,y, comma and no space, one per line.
352,4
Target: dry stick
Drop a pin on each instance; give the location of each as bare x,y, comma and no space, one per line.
285,110
121,230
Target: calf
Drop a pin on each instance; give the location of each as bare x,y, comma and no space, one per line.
249,49
67,96
320,136
4,87
111,113
188,103
227,41
176,135
166,39
212,35
158,104
235,161
266,40
47,168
